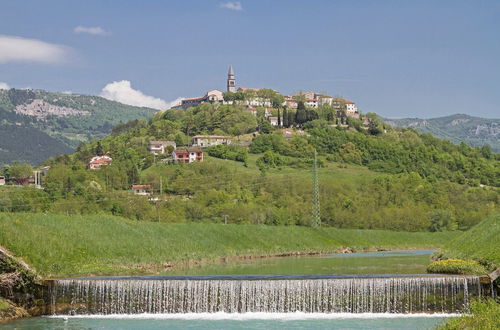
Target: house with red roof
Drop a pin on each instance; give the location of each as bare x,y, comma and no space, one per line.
98,161
141,189
189,155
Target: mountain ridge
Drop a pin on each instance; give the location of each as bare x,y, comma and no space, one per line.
62,121
475,131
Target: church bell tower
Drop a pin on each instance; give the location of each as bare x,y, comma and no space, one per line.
231,82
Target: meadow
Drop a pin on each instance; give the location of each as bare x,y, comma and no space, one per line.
59,245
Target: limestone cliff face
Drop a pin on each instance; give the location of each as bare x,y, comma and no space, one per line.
41,110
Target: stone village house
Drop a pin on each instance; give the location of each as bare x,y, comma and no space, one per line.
210,140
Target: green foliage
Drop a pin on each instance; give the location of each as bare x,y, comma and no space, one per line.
92,245
485,314
19,171
231,152
206,118
442,220
456,266
270,159
406,151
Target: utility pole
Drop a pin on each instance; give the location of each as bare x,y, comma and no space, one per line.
316,211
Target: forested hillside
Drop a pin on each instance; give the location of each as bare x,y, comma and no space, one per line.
47,124
375,178
474,131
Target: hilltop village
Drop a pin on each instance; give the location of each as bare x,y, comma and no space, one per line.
270,100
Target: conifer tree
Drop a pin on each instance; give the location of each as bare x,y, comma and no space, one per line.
285,118
301,115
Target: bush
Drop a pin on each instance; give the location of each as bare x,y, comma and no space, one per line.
223,151
456,266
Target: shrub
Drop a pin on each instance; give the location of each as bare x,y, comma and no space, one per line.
456,266
223,151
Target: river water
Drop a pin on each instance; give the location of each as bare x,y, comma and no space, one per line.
236,295
221,321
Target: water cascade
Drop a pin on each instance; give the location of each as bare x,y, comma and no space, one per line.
344,295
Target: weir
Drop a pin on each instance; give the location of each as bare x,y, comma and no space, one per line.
439,294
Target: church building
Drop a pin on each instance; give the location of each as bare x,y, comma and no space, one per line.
214,96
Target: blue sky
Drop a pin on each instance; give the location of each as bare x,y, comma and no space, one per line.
396,58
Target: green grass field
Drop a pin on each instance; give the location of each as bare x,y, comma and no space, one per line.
56,245
480,243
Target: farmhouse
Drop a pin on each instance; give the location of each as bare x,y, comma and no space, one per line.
2,180
187,155
210,140
97,161
141,189
160,147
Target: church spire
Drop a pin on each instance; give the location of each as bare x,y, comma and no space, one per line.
231,82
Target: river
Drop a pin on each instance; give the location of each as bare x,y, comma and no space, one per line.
336,291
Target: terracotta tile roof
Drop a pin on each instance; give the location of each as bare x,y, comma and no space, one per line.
193,98
101,160
141,186
186,151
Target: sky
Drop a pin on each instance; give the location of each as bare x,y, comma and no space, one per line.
397,58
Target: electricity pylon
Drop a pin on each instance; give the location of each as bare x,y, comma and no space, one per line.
316,211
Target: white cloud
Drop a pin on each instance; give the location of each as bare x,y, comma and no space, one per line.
4,85
122,91
17,49
95,30
232,5
175,102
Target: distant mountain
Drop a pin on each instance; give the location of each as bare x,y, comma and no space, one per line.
35,124
475,131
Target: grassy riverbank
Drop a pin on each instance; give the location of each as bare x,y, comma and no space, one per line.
484,315
56,245
479,243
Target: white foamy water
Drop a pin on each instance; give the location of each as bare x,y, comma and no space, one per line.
258,316
326,297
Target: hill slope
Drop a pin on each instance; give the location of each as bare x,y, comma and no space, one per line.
475,131
36,124
480,243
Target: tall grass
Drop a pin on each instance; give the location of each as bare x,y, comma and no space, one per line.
485,315
57,245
